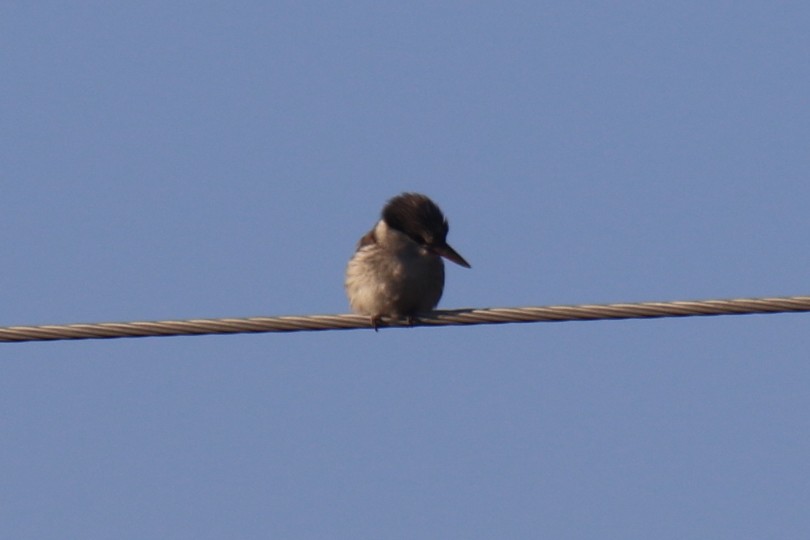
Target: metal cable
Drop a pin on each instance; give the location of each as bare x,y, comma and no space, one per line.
587,312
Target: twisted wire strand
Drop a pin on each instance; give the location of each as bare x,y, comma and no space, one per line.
586,312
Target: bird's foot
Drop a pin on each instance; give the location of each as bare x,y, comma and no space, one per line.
375,321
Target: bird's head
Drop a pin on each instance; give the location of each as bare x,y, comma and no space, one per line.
421,220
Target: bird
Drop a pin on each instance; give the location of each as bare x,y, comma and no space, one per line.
397,270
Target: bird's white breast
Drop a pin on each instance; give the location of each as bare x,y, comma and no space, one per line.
393,276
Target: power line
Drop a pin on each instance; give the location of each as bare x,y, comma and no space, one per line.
585,312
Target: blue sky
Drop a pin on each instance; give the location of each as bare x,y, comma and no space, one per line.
181,160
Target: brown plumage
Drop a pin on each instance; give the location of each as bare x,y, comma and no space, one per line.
397,270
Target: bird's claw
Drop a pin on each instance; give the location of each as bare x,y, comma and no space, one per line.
375,321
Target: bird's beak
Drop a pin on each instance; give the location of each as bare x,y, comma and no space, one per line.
451,255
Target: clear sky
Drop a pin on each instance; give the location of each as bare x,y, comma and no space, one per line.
197,159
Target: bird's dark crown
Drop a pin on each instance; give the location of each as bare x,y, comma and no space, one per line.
418,217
